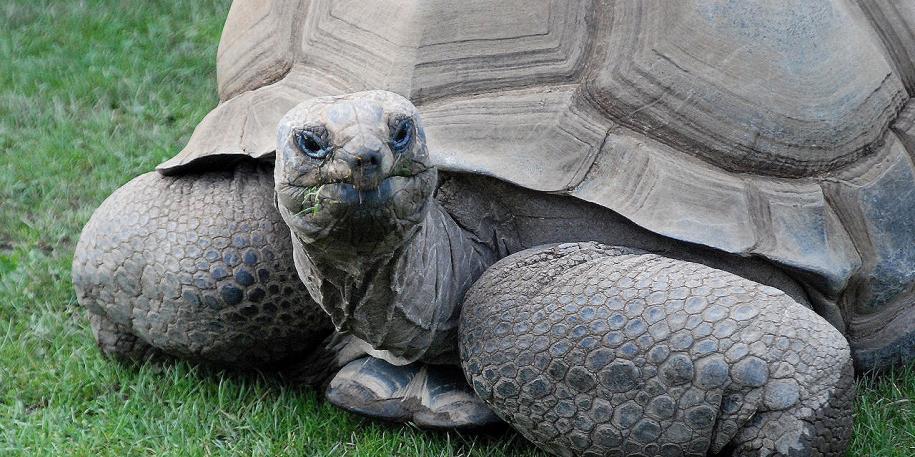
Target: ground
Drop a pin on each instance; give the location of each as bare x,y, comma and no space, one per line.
93,93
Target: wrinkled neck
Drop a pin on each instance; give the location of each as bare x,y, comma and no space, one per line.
358,260
399,295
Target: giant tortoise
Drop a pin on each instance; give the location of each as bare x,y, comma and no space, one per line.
640,201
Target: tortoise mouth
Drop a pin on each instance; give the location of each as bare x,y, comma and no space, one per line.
354,214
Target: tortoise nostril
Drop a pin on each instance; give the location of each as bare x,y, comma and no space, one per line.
366,166
368,158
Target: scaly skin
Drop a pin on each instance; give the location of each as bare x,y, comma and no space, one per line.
590,349
197,266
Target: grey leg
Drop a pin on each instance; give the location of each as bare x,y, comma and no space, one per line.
589,348
430,396
198,266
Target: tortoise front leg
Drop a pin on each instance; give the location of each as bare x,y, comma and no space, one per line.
198,266
589,348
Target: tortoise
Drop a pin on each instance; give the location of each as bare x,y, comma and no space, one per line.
768,144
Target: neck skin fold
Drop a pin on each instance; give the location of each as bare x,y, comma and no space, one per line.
403,294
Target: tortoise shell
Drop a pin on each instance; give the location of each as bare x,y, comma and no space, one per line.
774,129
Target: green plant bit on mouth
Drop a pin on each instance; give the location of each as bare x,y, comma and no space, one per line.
310,202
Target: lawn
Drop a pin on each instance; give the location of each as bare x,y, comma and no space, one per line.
93,93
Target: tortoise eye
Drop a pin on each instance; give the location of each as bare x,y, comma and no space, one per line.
403,135
311,144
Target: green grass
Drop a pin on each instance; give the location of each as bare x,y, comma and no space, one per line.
93,93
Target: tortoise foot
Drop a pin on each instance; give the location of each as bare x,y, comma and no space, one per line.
819,424
429,396
118,342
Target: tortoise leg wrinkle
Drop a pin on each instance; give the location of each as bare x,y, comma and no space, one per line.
434,397
588,349
116,341
197,266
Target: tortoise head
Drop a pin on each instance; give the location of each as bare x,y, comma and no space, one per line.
354,184
352,172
